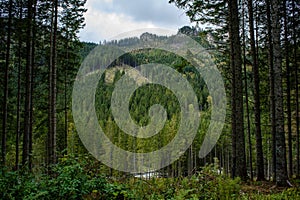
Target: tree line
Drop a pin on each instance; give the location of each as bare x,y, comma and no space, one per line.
39,58
260,39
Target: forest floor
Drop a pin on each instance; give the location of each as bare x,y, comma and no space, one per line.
267,188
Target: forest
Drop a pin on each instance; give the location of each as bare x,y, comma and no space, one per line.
253,43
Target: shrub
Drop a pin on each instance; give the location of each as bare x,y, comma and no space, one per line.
68,180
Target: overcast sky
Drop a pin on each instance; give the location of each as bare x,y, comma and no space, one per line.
108,18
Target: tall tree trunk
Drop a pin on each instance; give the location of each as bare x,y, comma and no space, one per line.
259,151
32,84
297,88
66,101
28,74
288,93
272,100
246,96
52,87
5,97
233,101
238,138
281,168
18,130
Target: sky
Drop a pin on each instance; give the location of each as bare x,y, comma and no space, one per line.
106,19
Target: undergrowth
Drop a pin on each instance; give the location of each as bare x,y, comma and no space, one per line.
74,179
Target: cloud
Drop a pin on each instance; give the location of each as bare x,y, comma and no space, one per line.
107,18
101,26
158,11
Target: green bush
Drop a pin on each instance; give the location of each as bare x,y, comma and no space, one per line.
68,180
78,179
288,194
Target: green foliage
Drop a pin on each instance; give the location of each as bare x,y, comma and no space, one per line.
13,185
70,179
205,185
75,178
291,193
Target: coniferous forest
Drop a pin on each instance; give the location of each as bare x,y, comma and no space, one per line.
253,43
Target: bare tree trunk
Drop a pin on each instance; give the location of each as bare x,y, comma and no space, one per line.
49,135
18,130
54,80
233,101
238,138
51,149
272,102
281,167
297,89
288,94
28,74
32,85
5,97
66,102
247,98
259,151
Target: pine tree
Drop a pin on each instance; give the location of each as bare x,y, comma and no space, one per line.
257,110
51,148
288,91
281,167
5,97
238,140
225,16
28,87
